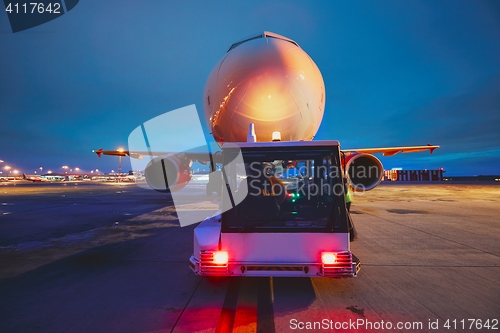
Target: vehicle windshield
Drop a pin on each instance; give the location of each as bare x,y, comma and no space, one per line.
294,190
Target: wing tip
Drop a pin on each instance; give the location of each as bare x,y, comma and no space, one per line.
98,152
432,148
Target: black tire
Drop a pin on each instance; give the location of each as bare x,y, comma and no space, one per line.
218,190
216,182
352,230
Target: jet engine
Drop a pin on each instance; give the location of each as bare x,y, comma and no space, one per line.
364,171
168,173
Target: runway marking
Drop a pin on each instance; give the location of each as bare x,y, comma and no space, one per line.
226,318
245,319
185,306
265,314
248,306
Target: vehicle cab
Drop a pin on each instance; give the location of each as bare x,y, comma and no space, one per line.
283,213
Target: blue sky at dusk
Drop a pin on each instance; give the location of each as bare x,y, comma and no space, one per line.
396,73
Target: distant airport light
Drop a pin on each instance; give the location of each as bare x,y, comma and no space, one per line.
328,258
276,136
1,161
77,169
121,150
7,167
49,172
65,167
16,171
221,257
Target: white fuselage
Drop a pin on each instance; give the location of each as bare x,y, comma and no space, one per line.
268,81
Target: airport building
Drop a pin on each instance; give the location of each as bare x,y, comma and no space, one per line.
414,175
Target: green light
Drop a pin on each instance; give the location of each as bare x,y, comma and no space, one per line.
294,213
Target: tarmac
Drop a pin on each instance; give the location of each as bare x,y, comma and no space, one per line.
92,257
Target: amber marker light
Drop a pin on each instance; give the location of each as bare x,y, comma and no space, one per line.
328,258
221,257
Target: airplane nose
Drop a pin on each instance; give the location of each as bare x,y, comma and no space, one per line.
272,83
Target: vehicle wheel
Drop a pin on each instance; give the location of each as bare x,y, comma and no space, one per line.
210,191
216,182
352,230
218,190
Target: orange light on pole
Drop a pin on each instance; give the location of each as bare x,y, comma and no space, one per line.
121,150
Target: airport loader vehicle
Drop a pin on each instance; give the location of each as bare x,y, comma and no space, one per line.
283,213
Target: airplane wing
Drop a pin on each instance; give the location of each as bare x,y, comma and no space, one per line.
390,151
202,157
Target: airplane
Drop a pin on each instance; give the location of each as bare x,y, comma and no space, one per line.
35,179
263,85
39,179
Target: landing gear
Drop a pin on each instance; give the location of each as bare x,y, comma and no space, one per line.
214,183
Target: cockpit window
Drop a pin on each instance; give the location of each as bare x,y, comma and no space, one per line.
265,35
286,40
243,41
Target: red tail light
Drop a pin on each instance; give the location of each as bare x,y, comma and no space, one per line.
328,258
221,257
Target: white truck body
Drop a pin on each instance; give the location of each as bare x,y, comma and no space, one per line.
298,247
